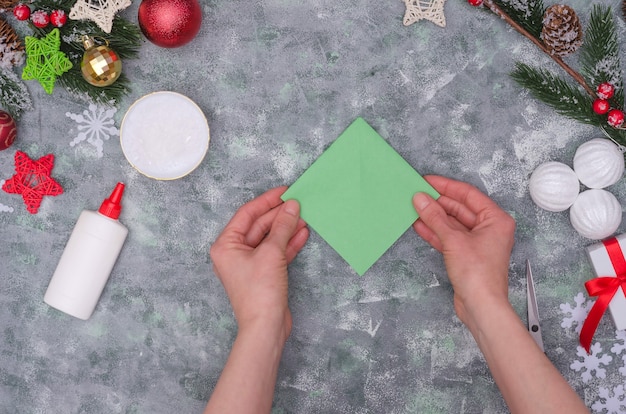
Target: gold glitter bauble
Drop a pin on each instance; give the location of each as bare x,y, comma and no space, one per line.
100,66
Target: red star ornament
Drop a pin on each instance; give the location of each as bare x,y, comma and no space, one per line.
32,180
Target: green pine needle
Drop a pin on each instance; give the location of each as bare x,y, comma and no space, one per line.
566,99
556,92
528,14
76,85
599,54
125,39
14,96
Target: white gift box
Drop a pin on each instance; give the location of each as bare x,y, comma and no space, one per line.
602,265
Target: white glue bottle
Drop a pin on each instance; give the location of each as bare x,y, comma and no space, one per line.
88,258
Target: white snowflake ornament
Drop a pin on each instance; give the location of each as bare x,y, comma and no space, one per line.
591,363
95,125
101,12
424,9
575,315
611,404
617,347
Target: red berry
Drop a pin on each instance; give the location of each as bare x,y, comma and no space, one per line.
475,2
615,118
40,18
58,18
21,12
605,90
601,106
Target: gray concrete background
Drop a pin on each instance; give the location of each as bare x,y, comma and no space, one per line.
279,81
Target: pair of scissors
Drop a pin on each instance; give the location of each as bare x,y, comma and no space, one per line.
533,312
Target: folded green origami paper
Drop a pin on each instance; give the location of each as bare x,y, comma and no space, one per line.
357,195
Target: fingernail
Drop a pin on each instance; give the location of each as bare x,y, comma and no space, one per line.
292,207
421,201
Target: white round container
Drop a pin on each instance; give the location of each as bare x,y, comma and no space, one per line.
164,135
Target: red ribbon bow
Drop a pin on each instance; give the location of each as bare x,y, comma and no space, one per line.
605,288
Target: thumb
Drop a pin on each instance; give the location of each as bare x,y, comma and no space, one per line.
432,214
285,224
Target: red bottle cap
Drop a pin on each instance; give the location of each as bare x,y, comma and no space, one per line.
112,206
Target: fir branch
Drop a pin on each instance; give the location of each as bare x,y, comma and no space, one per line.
76,85
556,92
125,39
50,5
599,58
495,8
566,99
528,14
14,96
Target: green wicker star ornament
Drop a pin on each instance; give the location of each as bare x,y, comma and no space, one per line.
44,60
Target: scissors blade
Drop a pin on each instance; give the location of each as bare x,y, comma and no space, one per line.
533,312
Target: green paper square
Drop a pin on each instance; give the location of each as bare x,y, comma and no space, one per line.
358,195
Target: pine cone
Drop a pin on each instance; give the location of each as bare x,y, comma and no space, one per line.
7,4
562,32
10,43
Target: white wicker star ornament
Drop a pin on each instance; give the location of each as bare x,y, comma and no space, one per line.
424,9
101,12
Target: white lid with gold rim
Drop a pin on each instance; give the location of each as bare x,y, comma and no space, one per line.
164,135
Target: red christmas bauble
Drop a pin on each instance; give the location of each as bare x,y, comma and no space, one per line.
615,118
475,2
605,90
40,18
21,12
170,23
601,106
58,18
8,130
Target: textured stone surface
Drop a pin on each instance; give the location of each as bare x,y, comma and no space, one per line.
279,81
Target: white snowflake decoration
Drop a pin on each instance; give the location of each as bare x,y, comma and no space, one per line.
575,316
424,9
617,347
613,404
100,12
95,126
591,362
622,370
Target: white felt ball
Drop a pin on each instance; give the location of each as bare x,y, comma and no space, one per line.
554,186
599,163
596,214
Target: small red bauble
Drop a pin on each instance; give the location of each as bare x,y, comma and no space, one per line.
601,106
40,18
615,118
170,23
605,90
21,12
8,130
475,2
58,18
